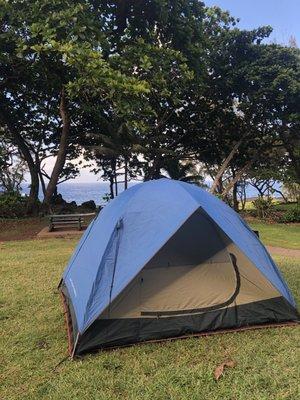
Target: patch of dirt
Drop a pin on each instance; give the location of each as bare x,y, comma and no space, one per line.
280,251
21,229
60,233
42,345
28,228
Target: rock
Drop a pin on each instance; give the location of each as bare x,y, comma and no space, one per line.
58,199
89,205
69,208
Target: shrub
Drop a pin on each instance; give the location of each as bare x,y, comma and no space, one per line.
262,206
12,205
291,215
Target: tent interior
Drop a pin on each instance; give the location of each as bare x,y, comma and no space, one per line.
198,270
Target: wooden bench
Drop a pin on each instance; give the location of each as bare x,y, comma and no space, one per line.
67,220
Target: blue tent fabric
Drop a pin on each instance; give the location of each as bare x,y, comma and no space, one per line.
132,228
83,266
242,235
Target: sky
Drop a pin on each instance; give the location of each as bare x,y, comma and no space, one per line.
282,15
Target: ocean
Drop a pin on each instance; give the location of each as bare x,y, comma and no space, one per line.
81,192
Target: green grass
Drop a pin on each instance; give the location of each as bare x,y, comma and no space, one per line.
33,342
279,235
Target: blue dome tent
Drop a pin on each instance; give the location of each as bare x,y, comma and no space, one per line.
167,259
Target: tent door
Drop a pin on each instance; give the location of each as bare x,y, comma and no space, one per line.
188,289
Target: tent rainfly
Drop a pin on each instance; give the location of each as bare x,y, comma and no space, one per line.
167,259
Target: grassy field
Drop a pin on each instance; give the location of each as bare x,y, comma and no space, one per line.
33,342
279,235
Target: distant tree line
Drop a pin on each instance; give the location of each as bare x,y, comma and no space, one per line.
142,89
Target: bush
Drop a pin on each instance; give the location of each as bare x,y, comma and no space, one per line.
12,205
291,215
262,206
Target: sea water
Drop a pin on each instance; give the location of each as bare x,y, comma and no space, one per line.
81,192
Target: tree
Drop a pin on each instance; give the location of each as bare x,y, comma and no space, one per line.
12,176
272,98
51,53
254,89
160,43
228,147
185,171
115,153
145,88
12,168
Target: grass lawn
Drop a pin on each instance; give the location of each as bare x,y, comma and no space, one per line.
33,342
280,235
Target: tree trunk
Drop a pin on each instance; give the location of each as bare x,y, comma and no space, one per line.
154,170
234,197
220,187
62,151
243,197
126,174
234,193
225,165
33,201
111,187
238,177
281,194
260,192
116,185
32,204
42,180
